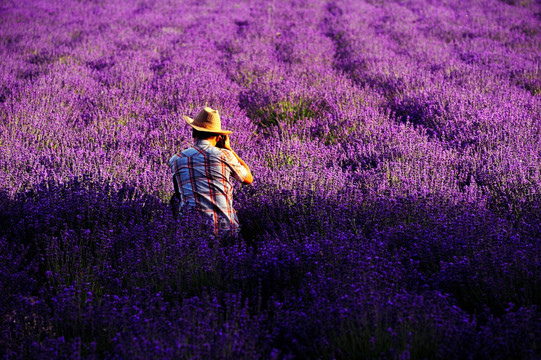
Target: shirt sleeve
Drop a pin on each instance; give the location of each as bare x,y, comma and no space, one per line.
173,164
238,171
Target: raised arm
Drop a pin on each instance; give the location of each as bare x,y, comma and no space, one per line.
227,145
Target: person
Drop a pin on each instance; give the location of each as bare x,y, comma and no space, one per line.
202,173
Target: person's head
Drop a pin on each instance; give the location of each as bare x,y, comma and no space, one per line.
203,135
206,124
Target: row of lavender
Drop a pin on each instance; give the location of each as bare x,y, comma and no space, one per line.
395,213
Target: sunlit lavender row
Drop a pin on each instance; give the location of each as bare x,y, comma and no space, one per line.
396,206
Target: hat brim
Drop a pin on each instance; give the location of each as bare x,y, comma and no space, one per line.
190,121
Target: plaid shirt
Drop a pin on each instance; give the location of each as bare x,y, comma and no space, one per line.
202,173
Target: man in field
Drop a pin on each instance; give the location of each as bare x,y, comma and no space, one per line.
201,173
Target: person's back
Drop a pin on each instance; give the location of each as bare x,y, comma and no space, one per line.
201,173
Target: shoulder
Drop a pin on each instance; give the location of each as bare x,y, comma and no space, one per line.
226,154
219,153
174,158
181,155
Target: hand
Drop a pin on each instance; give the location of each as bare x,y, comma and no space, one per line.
220,141
226,143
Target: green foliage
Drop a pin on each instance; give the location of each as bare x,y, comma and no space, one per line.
284,113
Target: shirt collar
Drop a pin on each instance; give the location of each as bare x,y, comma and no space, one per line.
202,143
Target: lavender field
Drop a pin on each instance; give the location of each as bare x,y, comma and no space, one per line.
396,206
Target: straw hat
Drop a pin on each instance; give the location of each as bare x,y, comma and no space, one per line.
207,120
